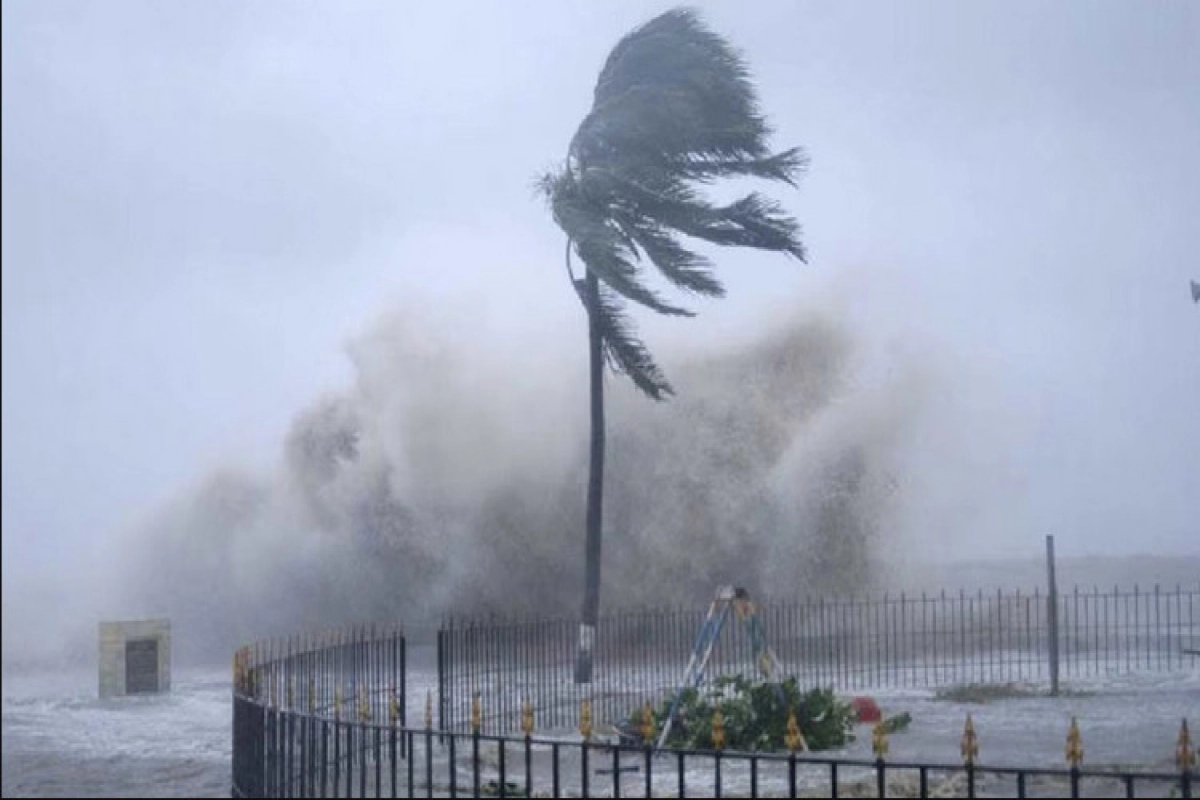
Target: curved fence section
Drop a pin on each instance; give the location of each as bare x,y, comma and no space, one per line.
326,715
306,712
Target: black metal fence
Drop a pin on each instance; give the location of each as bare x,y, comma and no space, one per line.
302,708
324,716
925,640
371,759
528,767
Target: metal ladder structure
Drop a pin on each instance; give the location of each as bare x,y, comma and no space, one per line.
728,598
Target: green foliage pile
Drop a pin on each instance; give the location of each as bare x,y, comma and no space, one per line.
756,715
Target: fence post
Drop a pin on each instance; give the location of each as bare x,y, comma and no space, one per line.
585,729
1052,616
428,742
879,745
970,751
1074,755
441,670
1185,759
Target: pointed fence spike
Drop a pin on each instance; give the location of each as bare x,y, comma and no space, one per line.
1185,756
1074,745
718,730
585,719
648,726
879,741
794,738
970,742
527,719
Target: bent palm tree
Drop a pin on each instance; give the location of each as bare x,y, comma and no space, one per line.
674,109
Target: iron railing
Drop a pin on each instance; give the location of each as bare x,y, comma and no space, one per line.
303,755
300,705
906,640
325,715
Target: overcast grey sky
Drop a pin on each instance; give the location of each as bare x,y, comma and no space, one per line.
204,201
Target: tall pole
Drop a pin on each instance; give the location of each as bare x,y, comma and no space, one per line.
595,494
1052,616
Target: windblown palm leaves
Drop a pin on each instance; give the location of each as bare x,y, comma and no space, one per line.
674,109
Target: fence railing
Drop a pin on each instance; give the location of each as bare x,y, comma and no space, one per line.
325,715
295,702
511,766
905,640
302,754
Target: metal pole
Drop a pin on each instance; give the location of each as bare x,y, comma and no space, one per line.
1052,616
441,678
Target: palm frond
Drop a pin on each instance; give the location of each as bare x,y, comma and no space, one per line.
660,199
624,352
674,108
684,268
605,249
676,94
674,62
786,167
753,221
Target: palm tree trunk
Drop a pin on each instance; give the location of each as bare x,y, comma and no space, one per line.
595,496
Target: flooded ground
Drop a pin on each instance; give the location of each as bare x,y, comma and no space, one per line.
60,740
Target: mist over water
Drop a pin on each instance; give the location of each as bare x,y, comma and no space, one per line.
445,480
805,454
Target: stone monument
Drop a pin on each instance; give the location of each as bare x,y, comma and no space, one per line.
135,657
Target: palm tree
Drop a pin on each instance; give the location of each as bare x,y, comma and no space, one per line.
674,109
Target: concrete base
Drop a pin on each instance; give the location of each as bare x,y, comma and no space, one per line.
135,657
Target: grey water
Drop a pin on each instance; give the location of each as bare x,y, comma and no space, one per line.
60,740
